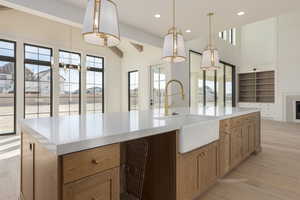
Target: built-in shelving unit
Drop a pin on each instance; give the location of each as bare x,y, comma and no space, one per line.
257,87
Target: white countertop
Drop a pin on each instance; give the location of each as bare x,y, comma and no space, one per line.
67,134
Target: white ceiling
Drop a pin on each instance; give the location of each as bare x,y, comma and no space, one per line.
191,14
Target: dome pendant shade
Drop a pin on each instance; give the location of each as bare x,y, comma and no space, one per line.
101,23
174,49
210,56
210,59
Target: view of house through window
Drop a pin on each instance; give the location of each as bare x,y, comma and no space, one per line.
94,84
211,88
7,86
38,81
69,77
133,90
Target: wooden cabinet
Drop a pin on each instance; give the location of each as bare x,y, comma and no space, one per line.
102,186
235,147
198,171
239,137
224,155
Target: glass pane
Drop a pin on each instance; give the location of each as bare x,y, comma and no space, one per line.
7,49
31,72
98,78
63,104
196,80
44,105
64,75
210,88
7,70
220,86
90,77
74,90
31,89
74,76
229,88
45,89
6,104
133,90
6,124
31,106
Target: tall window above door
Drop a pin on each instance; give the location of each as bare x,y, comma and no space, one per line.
69,78
7,87
94,84
38,81
133,90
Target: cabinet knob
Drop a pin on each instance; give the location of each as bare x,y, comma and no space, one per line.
96,162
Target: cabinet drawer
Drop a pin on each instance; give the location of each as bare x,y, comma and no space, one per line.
102,186
81,164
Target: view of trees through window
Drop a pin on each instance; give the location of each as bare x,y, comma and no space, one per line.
211,88
69,78
94,84
133,90
7,87
38,81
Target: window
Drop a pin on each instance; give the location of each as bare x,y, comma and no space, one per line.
38,81
69,78
7,87
158,79
94,84
231,36
133,90
211,88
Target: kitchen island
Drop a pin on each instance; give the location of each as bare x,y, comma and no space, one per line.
138,154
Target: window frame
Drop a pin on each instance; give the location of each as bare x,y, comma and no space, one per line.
14,60
97,70
38,62
133,71
69,66
233,74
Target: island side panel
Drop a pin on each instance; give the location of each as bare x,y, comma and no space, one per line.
40,171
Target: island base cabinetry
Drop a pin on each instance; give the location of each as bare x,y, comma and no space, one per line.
197,171
239,138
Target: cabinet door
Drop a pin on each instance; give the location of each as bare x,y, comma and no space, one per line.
103,186
236,147
257,133
251,137
27,170
211,157
224,153
245,140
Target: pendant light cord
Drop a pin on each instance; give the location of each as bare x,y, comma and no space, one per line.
210,29
174,10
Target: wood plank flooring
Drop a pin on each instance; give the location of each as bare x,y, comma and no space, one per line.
274,174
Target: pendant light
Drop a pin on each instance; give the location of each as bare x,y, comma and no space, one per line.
101,23
174,49
210,57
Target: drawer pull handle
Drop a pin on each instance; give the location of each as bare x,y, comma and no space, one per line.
96,162
93,198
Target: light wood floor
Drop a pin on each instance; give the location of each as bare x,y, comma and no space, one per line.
274,174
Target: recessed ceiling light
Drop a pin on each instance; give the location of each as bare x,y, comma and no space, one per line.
157,16
188,31
241,13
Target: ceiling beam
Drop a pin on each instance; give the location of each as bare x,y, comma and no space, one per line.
73,15
138,47
117,51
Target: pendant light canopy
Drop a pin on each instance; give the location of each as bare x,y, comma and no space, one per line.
174,49
101,23
210,57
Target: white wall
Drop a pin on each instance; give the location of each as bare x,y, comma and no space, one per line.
25,28
273,44
141,61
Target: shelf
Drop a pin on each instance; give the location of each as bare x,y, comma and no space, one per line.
257,87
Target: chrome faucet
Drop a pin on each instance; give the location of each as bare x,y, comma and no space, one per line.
167,106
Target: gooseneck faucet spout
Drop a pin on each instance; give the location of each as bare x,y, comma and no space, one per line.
167,106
